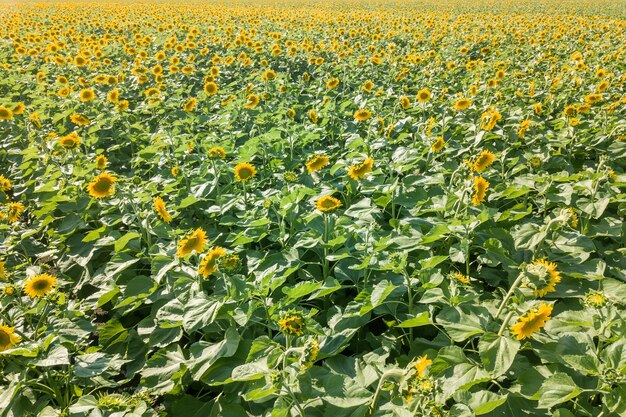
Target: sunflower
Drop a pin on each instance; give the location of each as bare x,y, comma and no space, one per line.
101,161
533,321
480,190
19,108
217,152
542,277
159,207
570,111
208,265
102,186
252,101
86,95
39,285
423,95
593,98
327,203
463,279
3,270
438,144
6,113
523,127
194,242
462,103
114,95
316,163
70,141
332,83
359,171
291,113
14,211
368,86
8,338
244,171
362,114
292,323
79,119
485,159
175,171
190,104
5,183
602,86
122,105
313,116
421,364
490,118
405,102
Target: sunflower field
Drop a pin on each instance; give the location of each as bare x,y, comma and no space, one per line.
293,209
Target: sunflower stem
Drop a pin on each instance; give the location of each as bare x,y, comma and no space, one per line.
517,282
505,323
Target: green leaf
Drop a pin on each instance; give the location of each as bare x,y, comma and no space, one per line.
123,241
497,353
555,390
205,354
421,319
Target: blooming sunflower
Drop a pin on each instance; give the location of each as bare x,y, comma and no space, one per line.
252,101
114,95
86,95
217,152
159,207
533,321
313,116
208,265
244,171
79,119
523,127
463,279
421,364
438,144
101,161
14,211
102,186
327,203
485,159
480,190
39,285
362,114
193,242
332,83
462,103
405,102
423,95
316,163
593,98
70,141
542,276
292,323
5,183
359,171
8,338
190,104
368,86
6,113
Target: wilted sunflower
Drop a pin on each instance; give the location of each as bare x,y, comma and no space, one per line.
542,276
423,95
252,101
208,265
316,163
102,186
193,242
533,321
159,207
8,338
70,141
327,203
244,171
14,211
485,159
86,95
359,171
79,119
462,103
5,183
39,285
438,144
480,190
362,114
217,152
101,161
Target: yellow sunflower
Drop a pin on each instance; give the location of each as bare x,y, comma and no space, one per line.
438,144
101,161
5,183
244,171
542,276
480,190
421,364
208,265
211,88
159,207
332,83
114,95
362,114
462,103
79,119
102,186
8,338
327,203
70,141
359,171
86,95
217,152
6,113
423,95
252,101
533,321
316,163
292,323
485,159
39,285
14,211
194,242
190,104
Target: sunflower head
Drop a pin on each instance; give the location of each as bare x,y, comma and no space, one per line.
462,103
423,95
193,242
209,264
86,95
79,119
252,101
8,338
244,171
39,285
217,152
595,299
190,104
438,144
483,160
327,203
541,276
480,190
161,210
70,141
101,161
359,171
102,186
362,114
6,113
5,183
317,162
421,364
531,322
292,323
